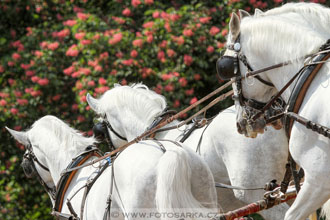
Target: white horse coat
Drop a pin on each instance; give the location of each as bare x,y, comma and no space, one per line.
147,180
232,158
283,34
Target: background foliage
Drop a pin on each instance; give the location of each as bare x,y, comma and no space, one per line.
53,52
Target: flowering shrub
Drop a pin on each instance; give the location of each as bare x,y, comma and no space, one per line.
52,53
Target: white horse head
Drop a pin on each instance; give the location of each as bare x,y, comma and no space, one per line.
288,34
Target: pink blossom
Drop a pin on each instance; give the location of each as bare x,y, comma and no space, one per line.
137,43
148,2
160,55
224,32
29,73
189,91
2,69
3,102
91,83
43,82
72,51
197,77
150,38
167,76
149,24
35,79
118,20
74,107
174,17
169,87
176,103
102,89
163,44
53,46
56,97
14,111
170,53
119,54
214,30
18,93
104,55
82,16
128,62
43,44
98,68
86,42
116,38
127,12
84,71
68,70
22,101
38,53
80,35
92,63
11,81
135,3
10,63
113,72
188,32
193,100
134,53
178,40
210,49
183,81
188,60
24,66
96,37
70,23
63,33
156,14
102,81
205,20
16,56
168,27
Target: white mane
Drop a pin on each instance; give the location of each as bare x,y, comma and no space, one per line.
305,26
49,131
135,102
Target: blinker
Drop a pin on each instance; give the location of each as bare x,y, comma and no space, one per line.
226,67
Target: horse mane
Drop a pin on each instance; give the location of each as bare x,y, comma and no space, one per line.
134,101
305,25
50,130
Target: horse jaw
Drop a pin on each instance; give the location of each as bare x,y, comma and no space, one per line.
234,26
20,136
93,103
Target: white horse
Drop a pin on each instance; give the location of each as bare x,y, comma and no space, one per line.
232,158
289,33
145,180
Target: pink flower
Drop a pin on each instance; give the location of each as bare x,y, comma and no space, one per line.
170,53
183,81
119,54
189,91
92,63
137,43
70,23
68,70
156,14
193,100
16,56
2,69
14,111
82,16
160,55
91,83
134,53
188,32
63,33
188,60
86,42
197,77
98,68
102,89
53,46
128,62
56,97
10,63
166,76
148,2
80,36
72,51
36,93
102,81
35,79
214,30
178,40
104,55
205,20
168,27
135,3
18,93
148,24
96,37
43,82
22,101
210,49
169,87
116,38
38,53
176,103
127,12
74,107
29,73
3,102
224,32
24,66
84,71
150,38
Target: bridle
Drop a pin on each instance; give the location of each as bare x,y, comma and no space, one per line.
28,165
101,130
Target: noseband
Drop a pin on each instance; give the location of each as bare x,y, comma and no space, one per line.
28,165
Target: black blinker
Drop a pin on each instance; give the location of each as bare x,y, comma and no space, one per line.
226,67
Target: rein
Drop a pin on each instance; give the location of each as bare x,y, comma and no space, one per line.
156,128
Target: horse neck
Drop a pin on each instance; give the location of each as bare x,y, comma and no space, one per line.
290,43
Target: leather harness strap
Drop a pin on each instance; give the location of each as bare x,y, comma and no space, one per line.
300,89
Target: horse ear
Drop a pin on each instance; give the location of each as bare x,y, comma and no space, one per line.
257,12
234,26
93,103
20,136
243,13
